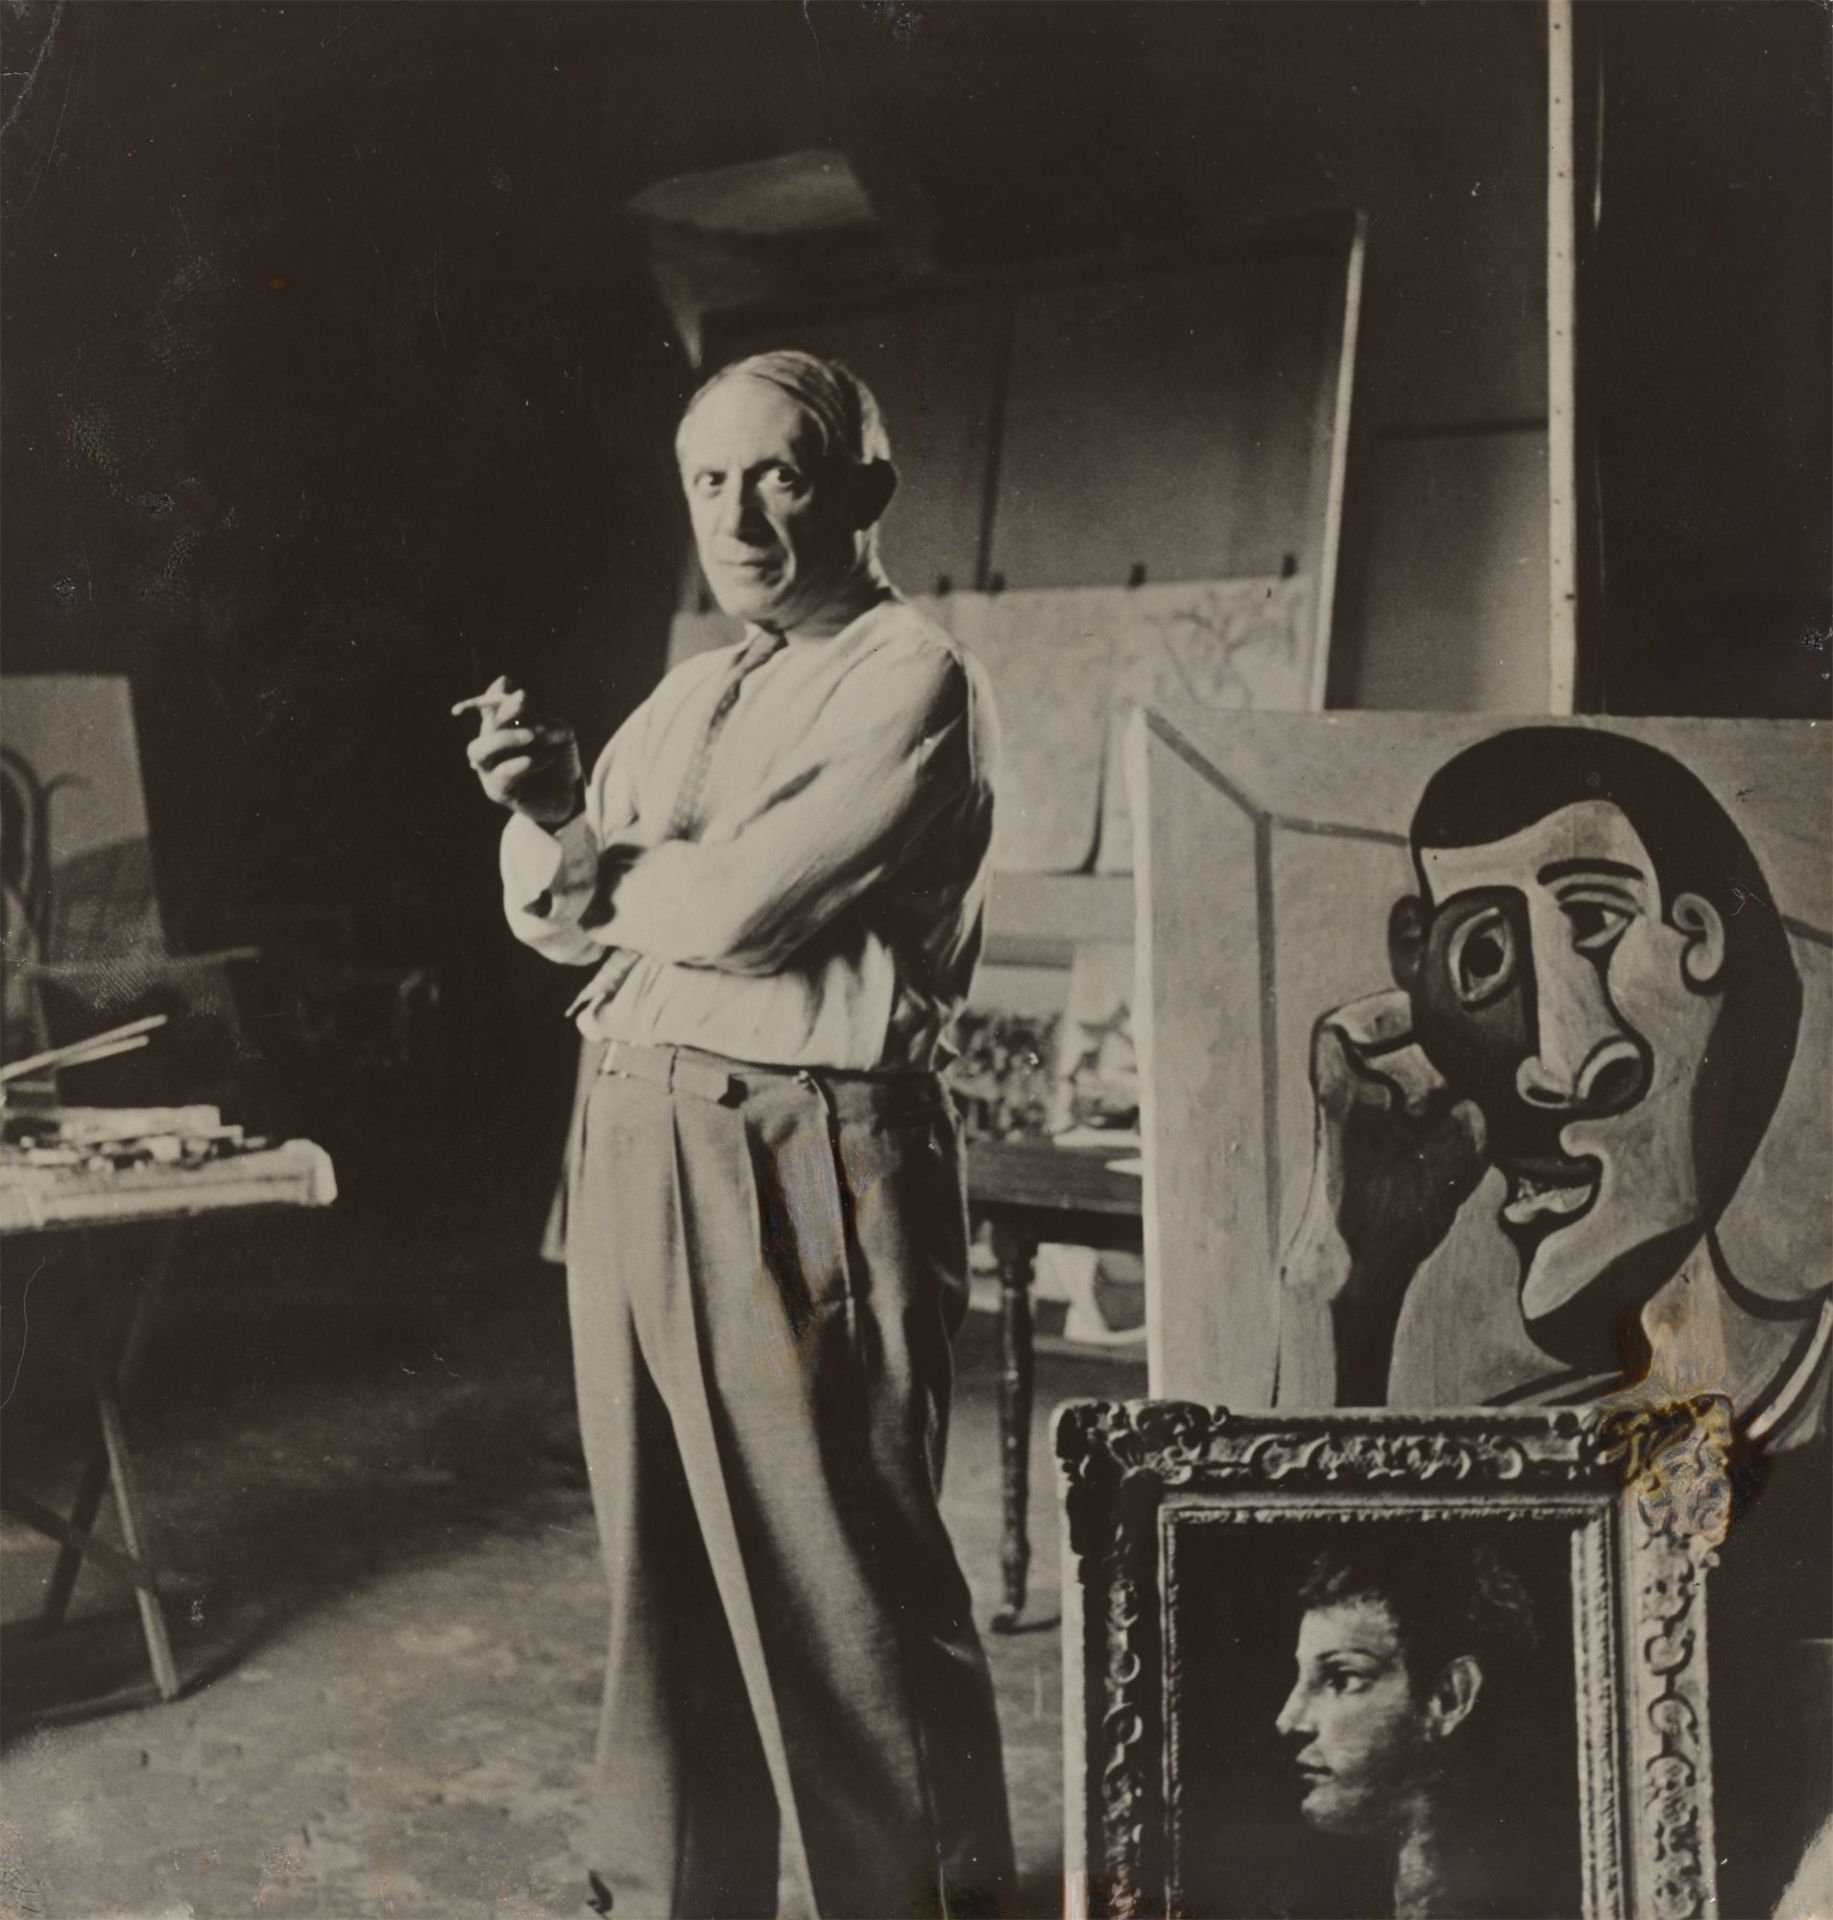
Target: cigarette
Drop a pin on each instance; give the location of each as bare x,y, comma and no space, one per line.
499,693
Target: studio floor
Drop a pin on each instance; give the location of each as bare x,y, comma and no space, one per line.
385,1597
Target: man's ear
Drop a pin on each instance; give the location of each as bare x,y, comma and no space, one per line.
872,488
1704,927
1407,926
1454,1693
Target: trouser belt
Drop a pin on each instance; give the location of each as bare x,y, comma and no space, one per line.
726,1081
675,1069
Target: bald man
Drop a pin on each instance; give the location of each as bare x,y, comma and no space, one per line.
778,871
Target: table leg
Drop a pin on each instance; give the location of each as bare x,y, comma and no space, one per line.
90,1489
116,1361
1017,1257
127,1511
116,1339
54,1526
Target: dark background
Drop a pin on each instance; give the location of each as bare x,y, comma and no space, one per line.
1244,1847
334,380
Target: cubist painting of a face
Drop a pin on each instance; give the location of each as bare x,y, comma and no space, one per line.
1593,959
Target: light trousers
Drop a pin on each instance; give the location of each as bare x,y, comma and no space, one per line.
765,1269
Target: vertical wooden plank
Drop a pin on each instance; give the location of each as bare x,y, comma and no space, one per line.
1335,391
1562,442
982,581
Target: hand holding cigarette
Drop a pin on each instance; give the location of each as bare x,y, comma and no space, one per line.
526,764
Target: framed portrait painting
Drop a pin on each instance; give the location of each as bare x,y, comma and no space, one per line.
1378,1663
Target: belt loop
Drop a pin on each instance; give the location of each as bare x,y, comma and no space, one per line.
813,1083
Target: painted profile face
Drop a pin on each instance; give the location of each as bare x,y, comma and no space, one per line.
770,515
1363,1733
1552,984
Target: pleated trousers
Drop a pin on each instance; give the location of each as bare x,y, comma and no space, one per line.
765,1269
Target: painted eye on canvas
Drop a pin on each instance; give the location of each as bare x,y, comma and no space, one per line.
1595,923
1482,957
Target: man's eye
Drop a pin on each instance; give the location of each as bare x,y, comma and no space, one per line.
783,480
1482,957
708,483
1596,924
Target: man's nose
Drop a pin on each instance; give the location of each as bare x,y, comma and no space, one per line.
728,505
740,516
1581,1059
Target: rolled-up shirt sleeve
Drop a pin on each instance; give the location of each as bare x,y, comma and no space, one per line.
548,883
893,749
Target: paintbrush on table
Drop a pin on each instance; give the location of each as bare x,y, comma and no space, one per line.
79,1053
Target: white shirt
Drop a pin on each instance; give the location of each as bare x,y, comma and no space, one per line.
829,913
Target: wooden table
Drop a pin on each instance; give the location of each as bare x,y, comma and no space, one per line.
296,1174
1029,1192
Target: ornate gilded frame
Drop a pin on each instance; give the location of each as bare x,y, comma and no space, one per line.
1644,1491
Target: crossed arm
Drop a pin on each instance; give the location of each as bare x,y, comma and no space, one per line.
891,750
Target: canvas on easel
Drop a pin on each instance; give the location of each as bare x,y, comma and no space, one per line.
86,944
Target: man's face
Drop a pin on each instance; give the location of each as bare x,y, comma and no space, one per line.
1353,1707
770,515
1552,989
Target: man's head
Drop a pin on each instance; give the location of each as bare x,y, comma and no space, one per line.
1396,1648
787,469
1594,958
